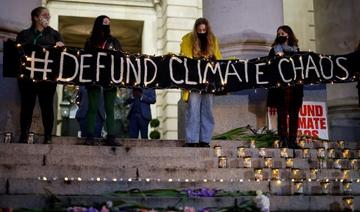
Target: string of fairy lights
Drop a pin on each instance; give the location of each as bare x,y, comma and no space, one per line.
205,88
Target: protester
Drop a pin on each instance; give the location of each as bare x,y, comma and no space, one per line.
286,100
199,120
101,38
140,112
39,34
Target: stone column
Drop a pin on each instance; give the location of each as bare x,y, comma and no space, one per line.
245,30
337,32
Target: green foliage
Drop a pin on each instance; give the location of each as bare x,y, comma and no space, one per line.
263,137
154,123
155,134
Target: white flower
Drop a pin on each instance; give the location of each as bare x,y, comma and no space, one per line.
262,201
109,204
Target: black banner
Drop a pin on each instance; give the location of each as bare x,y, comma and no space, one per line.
76,66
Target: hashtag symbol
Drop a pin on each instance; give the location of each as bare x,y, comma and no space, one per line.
34,60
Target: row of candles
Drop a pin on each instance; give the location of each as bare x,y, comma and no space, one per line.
9,138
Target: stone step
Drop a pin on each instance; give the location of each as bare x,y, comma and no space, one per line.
277,203
95,187
199,159
172,143
165,173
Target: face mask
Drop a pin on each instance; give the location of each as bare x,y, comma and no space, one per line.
281,39
106,30
44,22
202,36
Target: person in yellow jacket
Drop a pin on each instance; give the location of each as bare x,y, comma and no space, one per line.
199,120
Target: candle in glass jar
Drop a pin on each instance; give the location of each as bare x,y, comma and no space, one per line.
345,174
325,144
299,187
325,187
262,152
321,152
222,162
241,152
302,143
347,187
331,153
8,137
247,162
346,153
313,174
337,164
306,153
217,150
289,163
322,163
275,174
31,138
354,164
295,173
284,153
276,144
258,174
268,162
253,144
348,203
341,144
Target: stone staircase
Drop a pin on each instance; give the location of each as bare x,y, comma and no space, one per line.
297,180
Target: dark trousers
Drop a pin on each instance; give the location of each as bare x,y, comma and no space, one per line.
138,123
45,92
288,132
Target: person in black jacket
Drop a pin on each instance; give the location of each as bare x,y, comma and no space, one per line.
286,100
101,38
40,34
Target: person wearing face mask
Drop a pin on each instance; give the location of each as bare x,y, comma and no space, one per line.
39,34
199,120
101,38
286,101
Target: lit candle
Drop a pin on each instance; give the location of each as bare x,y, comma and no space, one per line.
8,137
258,174
222,162
337,164
253,144
341,144
299,188
313,174
321,152
354,164
346,153
325,187
217,150
247,162
276,144
331,153
284,153
268,162
348,203
30,138
241,152
306,153
345,174
289,162
295,173
347,187
262,152
275,174
302,143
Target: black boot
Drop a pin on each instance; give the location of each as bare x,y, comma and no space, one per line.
284,142
47,139
89,140
23,138
110,141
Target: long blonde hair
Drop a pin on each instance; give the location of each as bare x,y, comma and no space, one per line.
208,51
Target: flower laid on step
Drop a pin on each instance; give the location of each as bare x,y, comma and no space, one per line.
262,201
81,209
202,192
